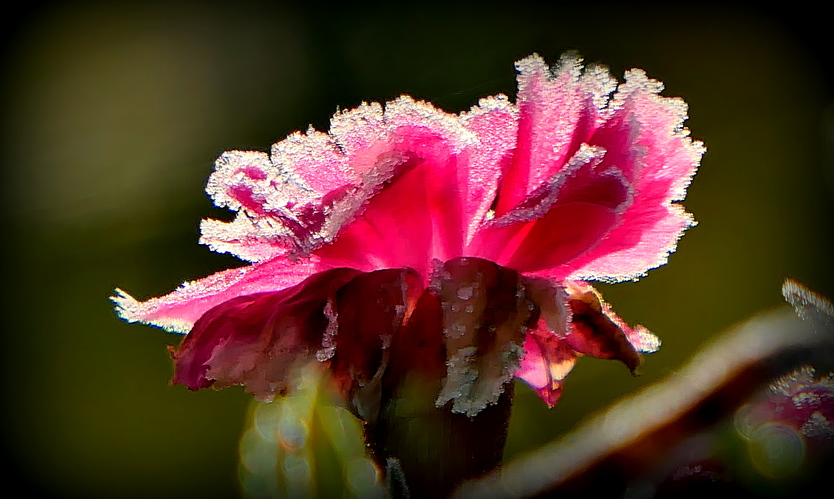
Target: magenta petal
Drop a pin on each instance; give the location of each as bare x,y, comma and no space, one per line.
547,361
550,108
262,193
495,123
259,340
652,224
177,311
416,215
561,220
566,232
557,113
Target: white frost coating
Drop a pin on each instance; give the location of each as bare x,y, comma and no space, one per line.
800,378
328,339
539,202
468,384
597,84
643,340
270,186
487,105
439,275
461,374
249,238
276,196
809,306
130,310
817,427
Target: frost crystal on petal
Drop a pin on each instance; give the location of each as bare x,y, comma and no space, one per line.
643,340
328,339
809,306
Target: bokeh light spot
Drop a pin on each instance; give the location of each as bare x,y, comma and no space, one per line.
777,450
292,432
361,476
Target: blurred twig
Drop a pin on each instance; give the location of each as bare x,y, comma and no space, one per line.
634,437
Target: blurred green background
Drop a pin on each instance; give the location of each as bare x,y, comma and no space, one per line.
114,114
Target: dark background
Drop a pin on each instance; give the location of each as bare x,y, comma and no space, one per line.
114,114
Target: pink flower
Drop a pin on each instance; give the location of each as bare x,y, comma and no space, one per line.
407,239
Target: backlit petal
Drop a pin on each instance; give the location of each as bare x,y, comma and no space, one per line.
259,340
177,311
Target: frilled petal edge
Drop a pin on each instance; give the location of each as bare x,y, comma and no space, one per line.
178,311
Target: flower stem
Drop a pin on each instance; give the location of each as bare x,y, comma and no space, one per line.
435,449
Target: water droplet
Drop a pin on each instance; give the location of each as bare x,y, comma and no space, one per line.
455,307
465,292
469,309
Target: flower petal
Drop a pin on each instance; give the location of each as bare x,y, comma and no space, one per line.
368,312
495,123
248,182
561,220
418,213
652,224
485,314
547,361
177,311
557,113
596,330
259,340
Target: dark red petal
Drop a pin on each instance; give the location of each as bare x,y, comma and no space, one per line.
594,332
420,347
485,314
258,340
369,312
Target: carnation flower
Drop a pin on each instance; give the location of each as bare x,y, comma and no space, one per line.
410,240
